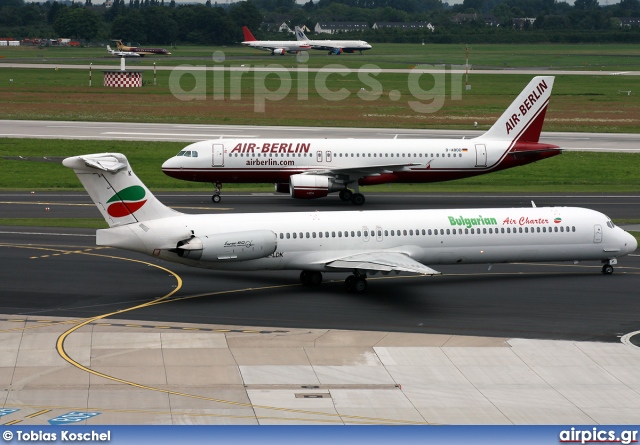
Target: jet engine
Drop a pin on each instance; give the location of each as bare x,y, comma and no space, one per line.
313,186
232,246
279,51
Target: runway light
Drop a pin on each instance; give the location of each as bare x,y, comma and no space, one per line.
46,209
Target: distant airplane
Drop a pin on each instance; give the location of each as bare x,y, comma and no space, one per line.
355,242
279,47
313,168
141,51
122,53
333,46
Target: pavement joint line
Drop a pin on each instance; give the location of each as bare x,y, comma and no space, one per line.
144,326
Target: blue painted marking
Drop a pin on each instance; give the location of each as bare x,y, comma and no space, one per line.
72,417
7,411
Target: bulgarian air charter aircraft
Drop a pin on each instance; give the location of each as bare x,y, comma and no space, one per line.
333,46
313,168
279,47
357,243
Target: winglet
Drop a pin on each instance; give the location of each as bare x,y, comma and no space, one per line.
248,37
522,121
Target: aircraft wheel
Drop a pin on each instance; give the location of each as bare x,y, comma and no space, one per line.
360,285
350,283
357,199
216,198
607,269
305,277
315,278
346,195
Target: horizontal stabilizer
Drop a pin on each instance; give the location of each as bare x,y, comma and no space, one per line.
382,262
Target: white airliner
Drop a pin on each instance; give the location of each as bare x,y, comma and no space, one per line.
313,168
279,47
122,53
354,242
333,46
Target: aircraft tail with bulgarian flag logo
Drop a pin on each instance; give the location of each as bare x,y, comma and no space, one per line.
117,192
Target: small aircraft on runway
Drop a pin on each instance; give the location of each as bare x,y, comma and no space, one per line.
355,242
313,168
122,53
141,51
336,47
277,47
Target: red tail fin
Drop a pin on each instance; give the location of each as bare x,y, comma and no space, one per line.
248,37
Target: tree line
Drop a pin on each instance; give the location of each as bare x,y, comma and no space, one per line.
167,22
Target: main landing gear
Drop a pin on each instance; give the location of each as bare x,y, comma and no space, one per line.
355,283
311,278
607,268
216,195
356,199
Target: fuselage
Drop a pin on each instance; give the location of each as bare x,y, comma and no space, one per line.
310,240
271,45
345,45
232,160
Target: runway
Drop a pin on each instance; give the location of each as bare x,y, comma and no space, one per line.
271,68
190,133
131,340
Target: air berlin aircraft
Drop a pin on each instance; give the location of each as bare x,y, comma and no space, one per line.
313,168
353,242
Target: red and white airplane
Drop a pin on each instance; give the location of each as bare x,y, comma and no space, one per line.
355,242
279,47
313,168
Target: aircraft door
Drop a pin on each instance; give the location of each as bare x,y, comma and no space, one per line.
365,233
319,156
328,156
378,233
218,155
597,233
481,155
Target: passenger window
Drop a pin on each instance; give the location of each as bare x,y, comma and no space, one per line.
282,236
294,235
288,236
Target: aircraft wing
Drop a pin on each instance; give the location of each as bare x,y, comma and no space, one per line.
370,170
382,262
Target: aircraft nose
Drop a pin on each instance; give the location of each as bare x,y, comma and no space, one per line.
630,242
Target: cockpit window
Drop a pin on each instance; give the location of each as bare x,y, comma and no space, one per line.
187,154
610,224
194,154
181,153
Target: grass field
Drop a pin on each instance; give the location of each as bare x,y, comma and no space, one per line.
578,103
386,55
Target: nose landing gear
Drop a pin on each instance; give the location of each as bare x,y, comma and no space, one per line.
216,194
607,268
